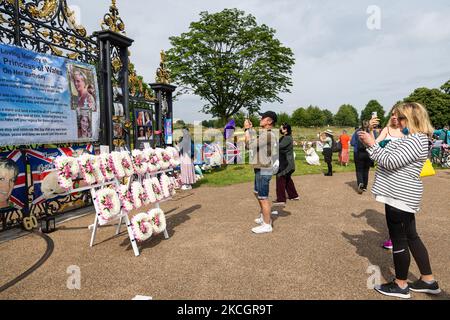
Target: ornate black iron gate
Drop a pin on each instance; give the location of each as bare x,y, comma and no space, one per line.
49,26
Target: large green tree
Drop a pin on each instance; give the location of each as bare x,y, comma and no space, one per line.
283,117
446,87
437,103
300,118
347,116
316,117
329,117
373,106
231,62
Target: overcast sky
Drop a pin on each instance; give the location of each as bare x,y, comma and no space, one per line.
338,58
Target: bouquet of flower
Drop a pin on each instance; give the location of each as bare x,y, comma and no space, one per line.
142,226
127,164
87,164
148,187
153,161
68,169
164,158
165,184
108,204
157,189
158,220
115,163
125,197
105,167
140,161
138,194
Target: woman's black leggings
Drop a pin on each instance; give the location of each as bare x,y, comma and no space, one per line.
328,157
402,230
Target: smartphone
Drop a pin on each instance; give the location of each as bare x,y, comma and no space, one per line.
375,115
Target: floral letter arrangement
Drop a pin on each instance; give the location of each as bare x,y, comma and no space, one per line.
153,161
165,184
68,169
148,187
158,220
127,164
88,164
138,194
108,204
175,157
140,160
164,158
142,226
125,198
157,189
115,163
105,167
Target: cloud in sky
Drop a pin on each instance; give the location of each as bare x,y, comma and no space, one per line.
338,59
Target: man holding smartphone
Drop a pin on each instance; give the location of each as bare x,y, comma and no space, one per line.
263,155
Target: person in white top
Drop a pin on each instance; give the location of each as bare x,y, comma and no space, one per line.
311,156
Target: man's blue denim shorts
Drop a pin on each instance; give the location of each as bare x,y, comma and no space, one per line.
262,183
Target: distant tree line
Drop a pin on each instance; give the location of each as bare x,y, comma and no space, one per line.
437,102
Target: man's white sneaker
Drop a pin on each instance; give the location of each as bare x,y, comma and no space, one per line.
260,220
264,228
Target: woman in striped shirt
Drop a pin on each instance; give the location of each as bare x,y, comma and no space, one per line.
398,186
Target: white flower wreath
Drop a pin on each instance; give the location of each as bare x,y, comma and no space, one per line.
153,160
139,195
158,220
125,198
68,169
165,184
115,162
127,164
148,187
87,166
164,158
140,161
142,226
157,189
99,177
108,204
105,166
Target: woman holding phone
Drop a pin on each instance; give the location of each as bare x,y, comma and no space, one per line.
399,187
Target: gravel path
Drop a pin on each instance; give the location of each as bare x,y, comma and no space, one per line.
321,248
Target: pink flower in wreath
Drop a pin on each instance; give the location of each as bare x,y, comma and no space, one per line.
67,172
89,168
125,164
107,203
143,227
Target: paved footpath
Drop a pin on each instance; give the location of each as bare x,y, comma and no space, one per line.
321,248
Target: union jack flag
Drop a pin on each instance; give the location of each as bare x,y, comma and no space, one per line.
19,194
233,154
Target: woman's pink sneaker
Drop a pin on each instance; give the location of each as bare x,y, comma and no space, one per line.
388,245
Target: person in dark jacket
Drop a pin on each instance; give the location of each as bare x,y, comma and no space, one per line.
362,159
287,167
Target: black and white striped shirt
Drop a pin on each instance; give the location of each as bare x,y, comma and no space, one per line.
399,166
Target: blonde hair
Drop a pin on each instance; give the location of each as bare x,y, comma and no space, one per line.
416,116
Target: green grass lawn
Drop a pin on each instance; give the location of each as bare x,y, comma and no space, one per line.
233,174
